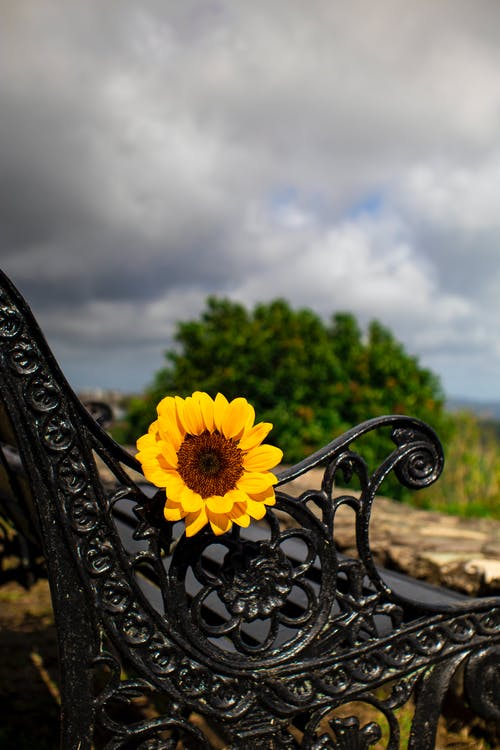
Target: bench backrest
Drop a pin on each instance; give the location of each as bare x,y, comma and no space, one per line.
261,638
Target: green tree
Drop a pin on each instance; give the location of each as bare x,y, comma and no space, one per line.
311,379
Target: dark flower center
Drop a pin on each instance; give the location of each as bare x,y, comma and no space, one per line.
209,463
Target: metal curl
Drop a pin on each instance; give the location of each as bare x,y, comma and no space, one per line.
10,320
419,459
347,733
482,680
405,429
350,464
150,731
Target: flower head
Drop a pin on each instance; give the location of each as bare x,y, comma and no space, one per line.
208,456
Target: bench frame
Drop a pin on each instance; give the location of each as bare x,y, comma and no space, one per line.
277,691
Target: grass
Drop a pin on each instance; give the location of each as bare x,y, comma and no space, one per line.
470,483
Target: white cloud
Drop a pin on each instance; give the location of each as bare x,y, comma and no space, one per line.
342,155
458,196
364,265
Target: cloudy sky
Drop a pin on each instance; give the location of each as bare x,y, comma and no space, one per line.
344,155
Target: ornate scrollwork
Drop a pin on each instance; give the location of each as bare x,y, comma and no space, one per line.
257,586
116,595
84,514
482,682
125,729
348,735
44,396
11,321
256,628
254,580
58,433
22,358
422,462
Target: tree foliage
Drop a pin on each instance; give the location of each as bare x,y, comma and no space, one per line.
311,379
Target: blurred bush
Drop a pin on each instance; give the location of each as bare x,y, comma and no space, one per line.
311,379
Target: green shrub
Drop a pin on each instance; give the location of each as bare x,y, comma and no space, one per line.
311,379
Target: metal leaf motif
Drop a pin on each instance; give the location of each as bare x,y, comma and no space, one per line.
350,736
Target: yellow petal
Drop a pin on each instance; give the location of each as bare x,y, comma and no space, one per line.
168,455
219,522
170,432
250,418
235,418
207,409
190,501
195,522
239,514
149,455
173,512
153,428
193,419
179,411
166,406
238,497
255,482
149,463
262,457
239,509
267,497
146,442
255,436
174,485
167,409
148,460
220,407
156,475
256,510
220,504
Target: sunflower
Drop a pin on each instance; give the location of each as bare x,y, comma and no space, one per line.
208,456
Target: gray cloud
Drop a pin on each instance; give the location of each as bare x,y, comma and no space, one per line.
344,156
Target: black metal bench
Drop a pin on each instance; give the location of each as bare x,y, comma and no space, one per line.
265,632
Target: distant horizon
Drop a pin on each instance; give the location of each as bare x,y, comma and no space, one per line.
459,399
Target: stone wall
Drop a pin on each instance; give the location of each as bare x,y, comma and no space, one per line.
460,553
